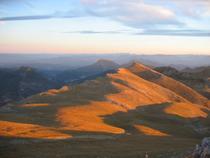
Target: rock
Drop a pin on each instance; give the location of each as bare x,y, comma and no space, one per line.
202,150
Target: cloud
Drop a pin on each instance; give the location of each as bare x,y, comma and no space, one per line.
134,13
33,17
94,32
194,33
152,32
57,14
193,8
150,13
138,14
26,3
187,8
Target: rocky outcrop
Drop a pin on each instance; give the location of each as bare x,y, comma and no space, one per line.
202,150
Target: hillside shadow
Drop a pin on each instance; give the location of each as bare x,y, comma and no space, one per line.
134,147
46,116
153,116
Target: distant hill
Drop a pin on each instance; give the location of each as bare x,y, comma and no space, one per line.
203,71
61,62
19,83
99,67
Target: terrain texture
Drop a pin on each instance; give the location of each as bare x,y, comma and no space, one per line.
125,113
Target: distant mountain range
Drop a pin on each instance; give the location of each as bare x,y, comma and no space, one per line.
19,83
23,82
61,62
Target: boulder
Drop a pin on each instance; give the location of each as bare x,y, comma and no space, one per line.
202,150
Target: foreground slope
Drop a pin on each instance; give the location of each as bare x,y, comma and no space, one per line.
120,106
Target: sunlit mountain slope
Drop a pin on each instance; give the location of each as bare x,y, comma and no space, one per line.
131,102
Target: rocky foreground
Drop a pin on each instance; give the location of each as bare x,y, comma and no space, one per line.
202,150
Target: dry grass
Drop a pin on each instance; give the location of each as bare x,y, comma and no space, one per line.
84,108
150,131
53,92
34,105
89,118
23,130
115,105
169,83
135,91
186,110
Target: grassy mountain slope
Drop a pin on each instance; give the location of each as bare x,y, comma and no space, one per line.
120,114
169,83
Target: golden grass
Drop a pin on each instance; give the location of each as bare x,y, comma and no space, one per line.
53,92
150,131
89,117
84,107
132,92
35,105
135,91
169,83
23,130
96,106
186,110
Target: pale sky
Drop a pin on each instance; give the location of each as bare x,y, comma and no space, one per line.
105,26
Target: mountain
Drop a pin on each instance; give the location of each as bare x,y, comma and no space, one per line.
19,83
61,62
198,69
197,78
99,67
124,113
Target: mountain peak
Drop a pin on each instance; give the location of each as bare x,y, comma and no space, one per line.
106,62
138,67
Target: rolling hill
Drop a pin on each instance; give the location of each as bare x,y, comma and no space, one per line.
121,114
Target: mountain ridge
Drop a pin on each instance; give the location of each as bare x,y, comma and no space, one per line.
120,105
167,82
100,66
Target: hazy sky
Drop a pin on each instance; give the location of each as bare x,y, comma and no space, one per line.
105,26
